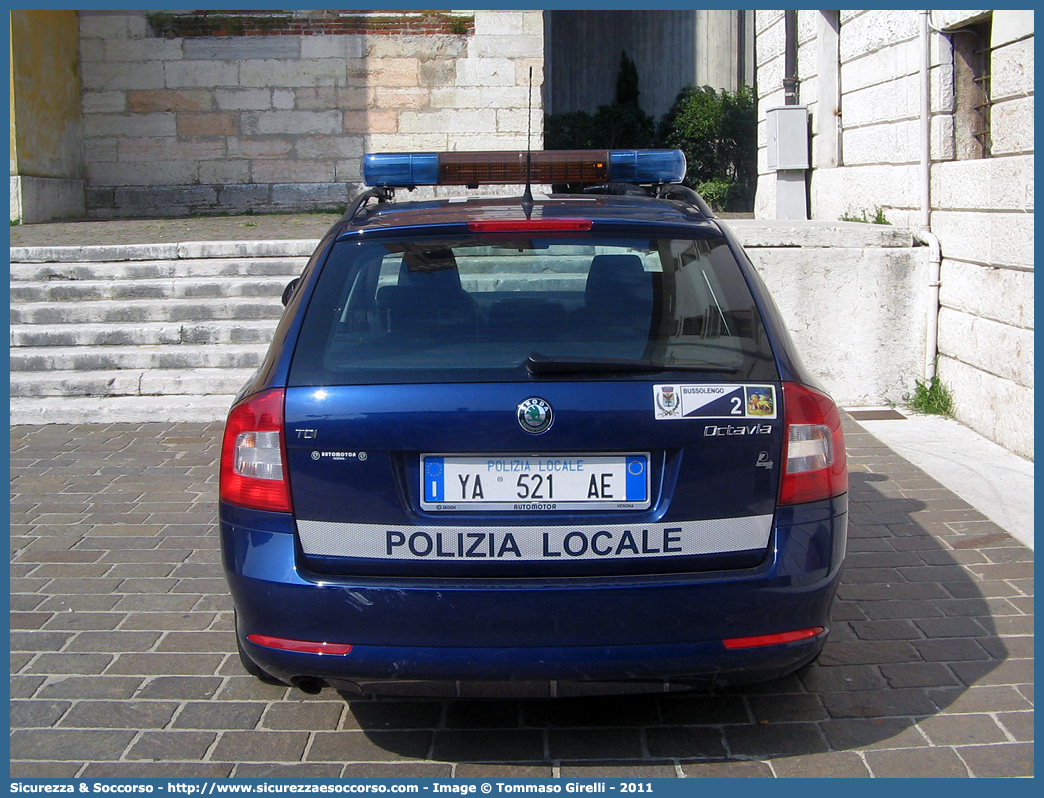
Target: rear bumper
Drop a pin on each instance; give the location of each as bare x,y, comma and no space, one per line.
642,628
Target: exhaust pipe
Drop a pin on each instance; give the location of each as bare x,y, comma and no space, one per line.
308,684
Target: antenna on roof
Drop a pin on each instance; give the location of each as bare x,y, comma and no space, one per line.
527,196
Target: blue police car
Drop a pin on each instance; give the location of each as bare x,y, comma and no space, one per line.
546,438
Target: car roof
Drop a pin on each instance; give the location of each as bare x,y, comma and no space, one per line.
629,210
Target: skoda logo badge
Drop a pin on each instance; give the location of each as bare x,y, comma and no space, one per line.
535,415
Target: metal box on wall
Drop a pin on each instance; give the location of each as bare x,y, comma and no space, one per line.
787,137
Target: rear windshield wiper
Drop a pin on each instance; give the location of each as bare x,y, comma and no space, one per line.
538,364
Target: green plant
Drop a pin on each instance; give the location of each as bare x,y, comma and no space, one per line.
15,222
932,397
716,192
458,27
878,217
717,131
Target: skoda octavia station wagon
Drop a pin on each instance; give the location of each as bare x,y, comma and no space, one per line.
550,438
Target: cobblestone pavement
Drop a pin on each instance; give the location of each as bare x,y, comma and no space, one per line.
123,659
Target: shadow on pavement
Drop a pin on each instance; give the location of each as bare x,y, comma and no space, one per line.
905,680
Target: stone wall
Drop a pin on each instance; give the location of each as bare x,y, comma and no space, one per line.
46,158
981,208
273,111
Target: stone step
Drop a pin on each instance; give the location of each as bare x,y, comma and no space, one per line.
143,270
144,334
148,288
86,358
186,250
146,310
129,382
119,409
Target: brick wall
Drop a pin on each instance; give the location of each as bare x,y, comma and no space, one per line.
209,112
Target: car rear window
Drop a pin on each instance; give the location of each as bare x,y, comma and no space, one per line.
476,309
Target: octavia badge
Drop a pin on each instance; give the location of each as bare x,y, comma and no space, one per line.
535,415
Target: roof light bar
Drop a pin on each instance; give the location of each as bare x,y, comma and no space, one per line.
404,170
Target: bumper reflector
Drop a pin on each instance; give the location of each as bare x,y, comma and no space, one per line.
301,646
773,640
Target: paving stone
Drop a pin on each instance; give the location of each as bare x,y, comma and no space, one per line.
702,710
493,745
393,714
819,678
685,742
153,664
775,709
218,715
591,711
297,770
310,716
113,641
182,688
475,714
119,715
777,739
726,770
918,674
1012,671
593,743
401,770
161,746
878,704
621,770
833,765
1018,724
157,770
65,744
36,714
261,746
98,687
25,686
69,663
503,771
45,770
961,730
358,746
917,763
986,698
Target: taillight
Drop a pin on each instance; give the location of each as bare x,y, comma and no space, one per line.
814,462
253,454
773,640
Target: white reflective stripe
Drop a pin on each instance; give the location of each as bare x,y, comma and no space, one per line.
535,543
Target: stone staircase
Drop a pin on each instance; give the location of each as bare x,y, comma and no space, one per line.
176,336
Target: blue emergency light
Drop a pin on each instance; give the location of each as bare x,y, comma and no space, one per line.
405,170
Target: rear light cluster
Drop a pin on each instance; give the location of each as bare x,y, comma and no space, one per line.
253,454
815,466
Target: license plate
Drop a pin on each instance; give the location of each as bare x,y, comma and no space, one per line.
527,483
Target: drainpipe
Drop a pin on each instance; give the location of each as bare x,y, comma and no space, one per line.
790,58
924,235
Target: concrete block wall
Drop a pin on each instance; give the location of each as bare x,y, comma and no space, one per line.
230,123
981,209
